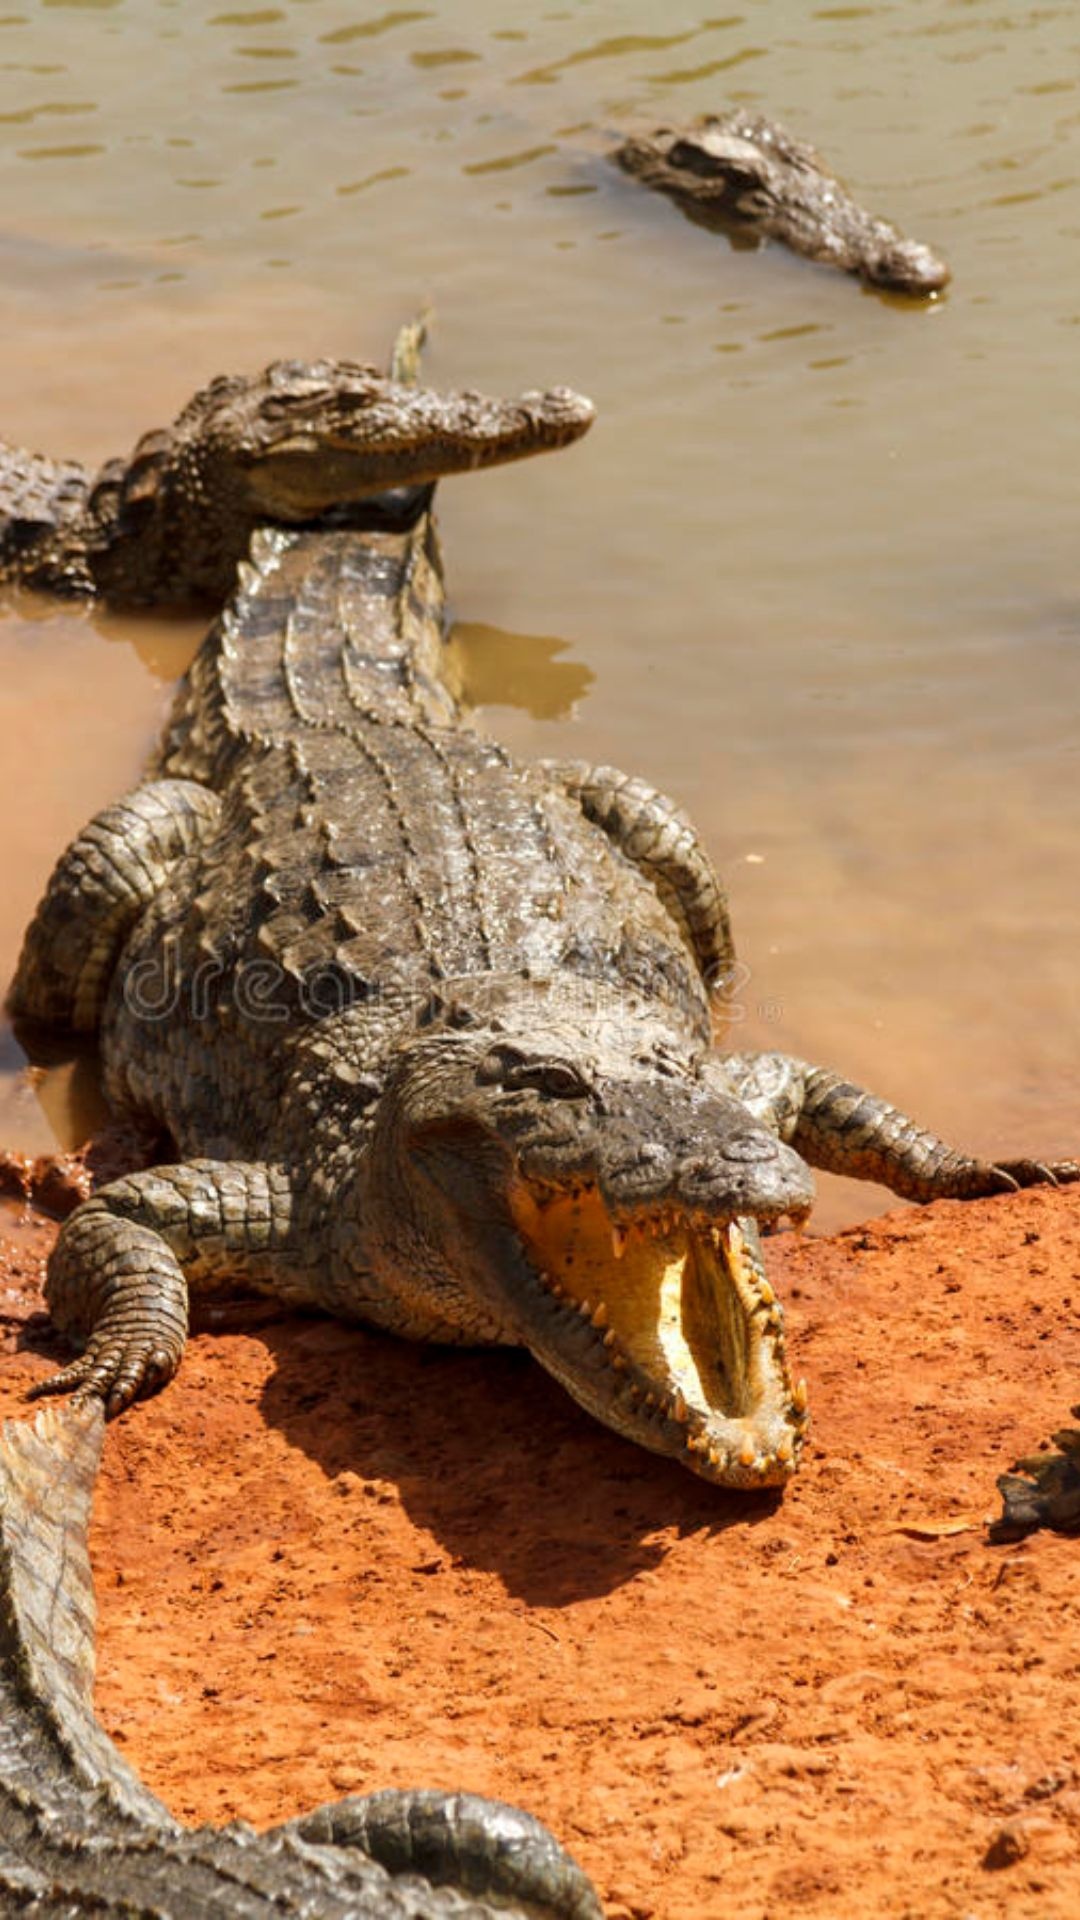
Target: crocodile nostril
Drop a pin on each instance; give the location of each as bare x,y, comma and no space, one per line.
651,1154
749,1148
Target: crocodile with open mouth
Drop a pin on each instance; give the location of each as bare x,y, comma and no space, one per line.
431,1029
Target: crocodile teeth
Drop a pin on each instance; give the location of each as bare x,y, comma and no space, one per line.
600,1317
785,1450
679,1409
747,1452
619,1238
800,1399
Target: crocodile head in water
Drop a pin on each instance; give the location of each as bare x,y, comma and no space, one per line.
301,443
577,1186
741,170
305,437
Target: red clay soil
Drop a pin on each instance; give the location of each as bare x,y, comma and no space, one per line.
327,1562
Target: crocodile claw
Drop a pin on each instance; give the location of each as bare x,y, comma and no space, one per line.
111,1372
1014,1174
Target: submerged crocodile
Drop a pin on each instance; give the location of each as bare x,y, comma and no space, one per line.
80,1833
431,1030
745,173
170,523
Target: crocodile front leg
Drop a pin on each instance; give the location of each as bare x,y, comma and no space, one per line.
108,876
663,843
842,1128
119,1274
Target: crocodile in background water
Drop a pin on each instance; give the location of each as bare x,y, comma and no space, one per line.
747,174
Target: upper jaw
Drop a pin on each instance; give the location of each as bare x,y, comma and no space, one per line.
404,436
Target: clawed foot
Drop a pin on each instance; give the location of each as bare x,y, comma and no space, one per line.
112,1372
1010,1175
1043,1490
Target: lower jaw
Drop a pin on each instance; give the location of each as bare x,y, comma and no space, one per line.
669,1335
754,1451
756,1446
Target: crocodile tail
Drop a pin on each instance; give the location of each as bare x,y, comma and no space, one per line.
492,1851
53,1750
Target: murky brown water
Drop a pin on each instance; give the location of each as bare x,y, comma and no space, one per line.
815,569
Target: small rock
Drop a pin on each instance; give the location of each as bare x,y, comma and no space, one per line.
348,1779
1009,1844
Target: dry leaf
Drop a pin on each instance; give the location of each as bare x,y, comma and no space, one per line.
936,1529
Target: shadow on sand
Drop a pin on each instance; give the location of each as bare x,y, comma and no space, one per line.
491,1457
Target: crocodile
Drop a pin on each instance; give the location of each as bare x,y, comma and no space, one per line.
169,524
80,1832
746,174
432,1031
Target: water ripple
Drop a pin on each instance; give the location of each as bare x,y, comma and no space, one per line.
366,29
373,180
448,57
681,76
26,114
617,47
505,162
261,86
60,153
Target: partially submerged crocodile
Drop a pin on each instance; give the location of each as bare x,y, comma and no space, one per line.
431,1030
743,172
79,1833
170,523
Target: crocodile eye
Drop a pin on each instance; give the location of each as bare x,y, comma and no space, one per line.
735,163
508,1067
691,157
554,1077
496,1064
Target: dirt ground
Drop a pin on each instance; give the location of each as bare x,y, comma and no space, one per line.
327,1561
